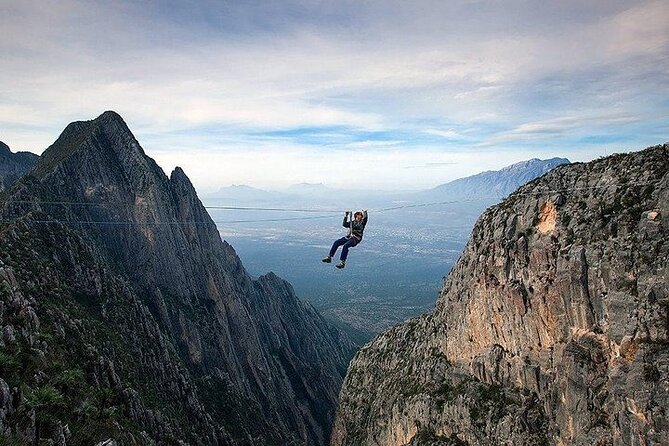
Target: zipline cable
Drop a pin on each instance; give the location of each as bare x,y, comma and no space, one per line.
240,208
154,223
245,208
177,223
252,208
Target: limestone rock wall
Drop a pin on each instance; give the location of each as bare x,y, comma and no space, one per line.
556,313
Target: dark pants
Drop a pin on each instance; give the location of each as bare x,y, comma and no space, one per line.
347,242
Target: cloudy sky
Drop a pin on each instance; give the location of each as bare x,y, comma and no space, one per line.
378,94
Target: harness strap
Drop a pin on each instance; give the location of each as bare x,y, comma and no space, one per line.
350,228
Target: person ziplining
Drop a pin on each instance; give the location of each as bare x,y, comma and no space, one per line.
356,227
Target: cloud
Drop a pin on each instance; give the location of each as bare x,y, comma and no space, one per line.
640,29
448,134
430,165
553,128
306,78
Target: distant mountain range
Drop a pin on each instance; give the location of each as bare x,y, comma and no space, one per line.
309,188
496,184
241,194
490,185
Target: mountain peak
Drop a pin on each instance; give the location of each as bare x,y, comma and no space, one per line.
496,183
106,133
178,176
4,149
110,116
14,165
178,171
109,121
536,162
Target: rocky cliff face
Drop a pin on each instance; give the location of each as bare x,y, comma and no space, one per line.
114,272
14,165
550,329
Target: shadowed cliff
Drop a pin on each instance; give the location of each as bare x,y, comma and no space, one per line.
114,272
14,165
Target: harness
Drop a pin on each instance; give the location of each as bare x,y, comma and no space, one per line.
350,228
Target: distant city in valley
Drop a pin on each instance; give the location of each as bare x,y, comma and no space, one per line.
398,269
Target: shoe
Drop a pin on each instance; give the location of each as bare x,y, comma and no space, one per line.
341,264
328,259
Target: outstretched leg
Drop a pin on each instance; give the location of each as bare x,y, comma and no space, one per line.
350,243
336,245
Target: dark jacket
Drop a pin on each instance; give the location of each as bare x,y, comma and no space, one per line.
356,228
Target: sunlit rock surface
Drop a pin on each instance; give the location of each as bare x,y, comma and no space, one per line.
550,329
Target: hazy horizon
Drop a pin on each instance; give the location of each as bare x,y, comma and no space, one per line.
289,187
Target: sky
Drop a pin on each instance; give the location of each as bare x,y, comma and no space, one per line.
387,94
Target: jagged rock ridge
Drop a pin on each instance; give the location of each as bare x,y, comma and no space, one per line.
14,165
550,329
132,288
495,184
